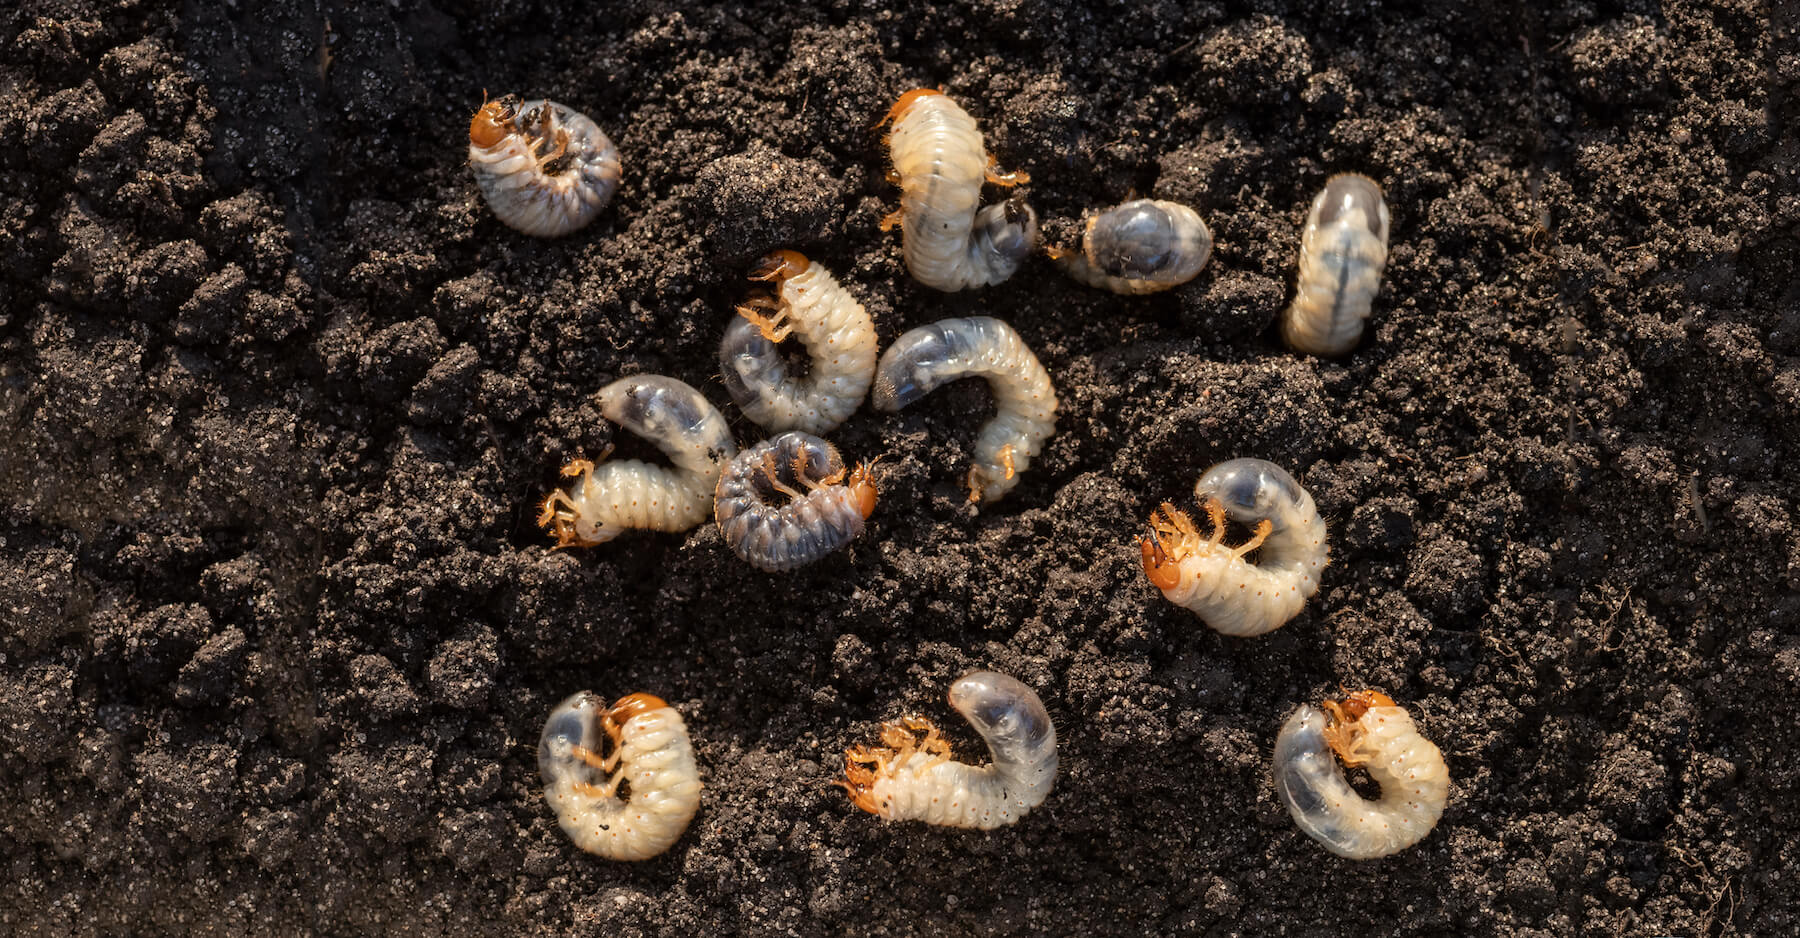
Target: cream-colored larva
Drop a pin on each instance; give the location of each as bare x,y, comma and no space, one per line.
839,337
911,779
926,358
650,754
940,162
1234,596
1342,251
544,168
628,493
808,524
1139,247
1368,730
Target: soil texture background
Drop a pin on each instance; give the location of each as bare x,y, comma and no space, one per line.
279,398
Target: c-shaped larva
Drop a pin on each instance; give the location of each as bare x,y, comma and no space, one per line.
1365,729
1342,251
628,493
839,339
939,163
544,168
650,753
912,779
1234,596
1139,247
813,523
926,358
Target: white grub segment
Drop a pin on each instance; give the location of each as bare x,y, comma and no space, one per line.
1234,596
545,169
926,358
939,164
840,342
650,754
911,779
822,511
1366,729
628,493
1342,252
1139,247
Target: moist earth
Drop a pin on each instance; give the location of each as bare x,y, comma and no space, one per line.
280,398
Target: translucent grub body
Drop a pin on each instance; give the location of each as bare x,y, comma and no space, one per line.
838,335
1364,730
926,358
1342,253
544,168
823,511
909,778
1234,596
1139,247
940,162
611,497
650,753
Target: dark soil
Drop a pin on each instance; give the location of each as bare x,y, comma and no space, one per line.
280,395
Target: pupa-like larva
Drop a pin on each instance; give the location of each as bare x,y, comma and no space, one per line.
825,516
926,358
839,338
1234,596
1342,252
1139,247
650,753
544,168
940,162
907,778
1368,730
628,493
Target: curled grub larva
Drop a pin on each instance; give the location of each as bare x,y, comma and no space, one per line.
1365,729
1139,247
627,493
1234,596
939,163
931,356
812,523
650,753
907,778
839,339
544,168
1342,252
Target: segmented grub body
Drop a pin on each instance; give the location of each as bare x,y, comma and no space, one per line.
1342,252
940,162
1140,247
650,752
840,342
628,493
926,358
1368,730
1234,596
908,778
544,168
825,516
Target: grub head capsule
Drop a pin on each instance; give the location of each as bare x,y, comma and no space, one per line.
1251,490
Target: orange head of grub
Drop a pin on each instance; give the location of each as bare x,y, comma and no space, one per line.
778,266
906,102
862,488
493,121
625,708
